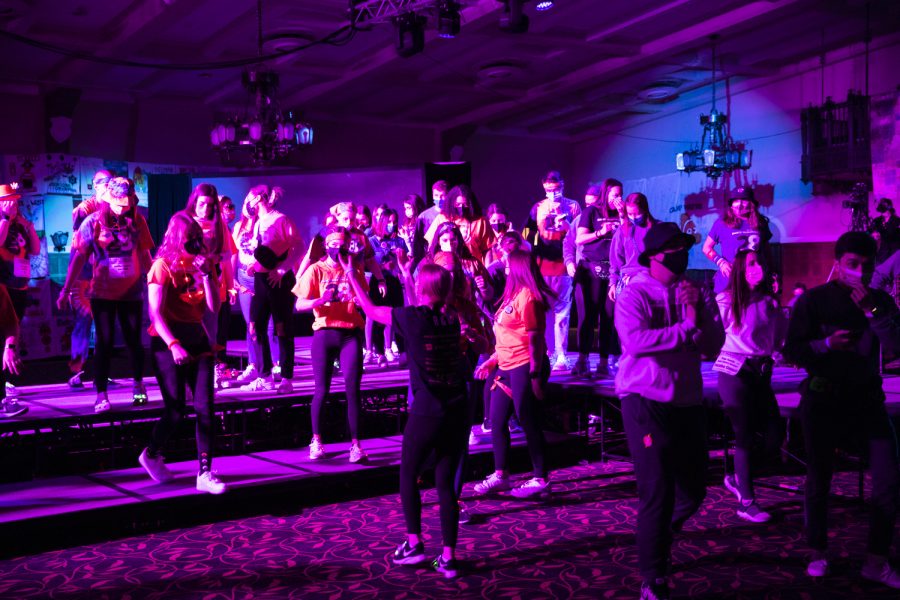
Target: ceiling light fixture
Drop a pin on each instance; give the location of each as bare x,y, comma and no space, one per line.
410,30
543,5
448,21
265,132
717,153
514,19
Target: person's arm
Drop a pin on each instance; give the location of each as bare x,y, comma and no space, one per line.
307,293
638,338
883,317
5,222
33,241
709,251
380,314
711,333
10,333
805,340
156,296
885,274
79,259
616,259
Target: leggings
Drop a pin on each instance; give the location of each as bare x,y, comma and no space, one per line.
129,313
277,303
594,309
328,345
253,350
750,404
174,380
444,439
529,410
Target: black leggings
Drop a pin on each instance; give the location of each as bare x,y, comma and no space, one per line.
528,408
445,439
594,308
328,345
277,303
130,313
173,381
224,318
749,402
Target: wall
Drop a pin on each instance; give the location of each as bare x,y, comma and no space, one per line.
769,116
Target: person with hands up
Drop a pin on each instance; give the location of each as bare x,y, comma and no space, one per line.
183,286
324,288
835,333
12,364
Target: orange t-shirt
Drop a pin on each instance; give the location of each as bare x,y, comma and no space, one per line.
512,324
185,298
117,261
320,281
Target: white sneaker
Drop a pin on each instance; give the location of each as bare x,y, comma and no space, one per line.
395,349
881,574
276,372
11,390
381,360
316,449
208,482
248,375
260,384
285,387
532,487
389,355
102,405
817,567
473,439
493,484
561,364
155,466
369,357
356,454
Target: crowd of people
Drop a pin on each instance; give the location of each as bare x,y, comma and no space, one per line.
481,312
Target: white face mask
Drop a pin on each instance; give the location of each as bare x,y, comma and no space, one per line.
446,246
554,195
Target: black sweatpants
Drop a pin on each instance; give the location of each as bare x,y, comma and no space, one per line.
277,303
594,310
668,446
443,439
830,417
749,402
530,413
174,380
130,314
346,345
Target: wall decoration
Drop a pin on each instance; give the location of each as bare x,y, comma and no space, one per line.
60,175
885,123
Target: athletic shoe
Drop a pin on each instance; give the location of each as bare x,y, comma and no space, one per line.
208,482
369,357
248,375
817,567
447,568
753,513
731,486
75,381
357,454
139,395
260,384
285,387
612,365
602,368
110,382
380,360
276,372
155,466
395,349
11,408
102,405
464,515
473,439
532,487
657,590
316,449
493,484
389,355
514,426
11,390
581,368
881,574
486,426
561,364
409,555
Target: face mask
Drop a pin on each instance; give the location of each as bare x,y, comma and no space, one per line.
439,203
676,262
754,277
639,221
855,278
446,246
389,228
193,246
461,211
554,195
333,253
499,227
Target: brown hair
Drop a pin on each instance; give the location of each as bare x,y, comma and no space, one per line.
739,288
182,227
756,221
525,273
434,282
640,201
215,215
603,202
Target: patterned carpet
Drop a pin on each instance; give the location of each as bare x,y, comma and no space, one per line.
579,544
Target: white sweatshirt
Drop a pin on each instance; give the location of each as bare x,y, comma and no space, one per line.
762,329
661,351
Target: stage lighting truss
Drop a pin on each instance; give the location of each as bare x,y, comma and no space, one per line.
373,12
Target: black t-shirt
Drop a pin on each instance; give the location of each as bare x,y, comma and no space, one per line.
437,366
596,250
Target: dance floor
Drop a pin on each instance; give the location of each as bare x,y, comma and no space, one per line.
577,544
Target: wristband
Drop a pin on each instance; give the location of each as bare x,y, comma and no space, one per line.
174,342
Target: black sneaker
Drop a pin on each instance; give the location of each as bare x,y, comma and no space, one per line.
656,590
139,395
406,555
11,408
464,515
448,568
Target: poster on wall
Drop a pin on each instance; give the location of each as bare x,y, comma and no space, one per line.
27,170
61,175
885,119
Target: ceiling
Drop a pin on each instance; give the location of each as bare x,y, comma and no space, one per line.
583,67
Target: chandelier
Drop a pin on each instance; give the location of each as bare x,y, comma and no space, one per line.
717,152
264,131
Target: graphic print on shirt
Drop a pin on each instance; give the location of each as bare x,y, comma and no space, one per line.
187,287
442,356
119,253
15,251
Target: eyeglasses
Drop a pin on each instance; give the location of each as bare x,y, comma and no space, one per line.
102,181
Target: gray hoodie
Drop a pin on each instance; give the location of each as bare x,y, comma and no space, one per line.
661,350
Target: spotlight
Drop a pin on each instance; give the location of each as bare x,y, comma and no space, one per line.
514,20
543,5
448,19
410,29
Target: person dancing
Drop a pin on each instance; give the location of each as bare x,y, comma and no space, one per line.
755,327
665,324
519,329
117,238
182,289
9,333
834,333
325,290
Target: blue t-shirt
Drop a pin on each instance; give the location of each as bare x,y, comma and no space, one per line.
730,240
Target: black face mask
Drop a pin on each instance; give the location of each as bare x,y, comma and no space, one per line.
500,227
193,246
676,262
334,253
462,211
